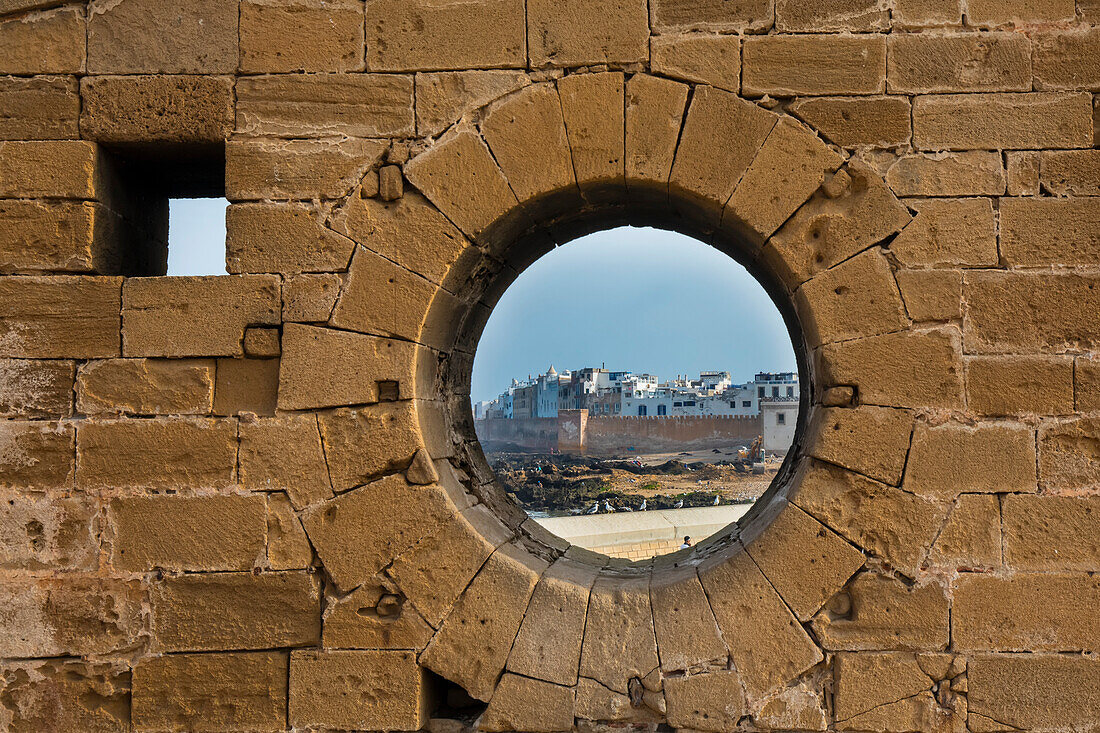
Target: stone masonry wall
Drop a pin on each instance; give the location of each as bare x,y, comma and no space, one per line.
256,502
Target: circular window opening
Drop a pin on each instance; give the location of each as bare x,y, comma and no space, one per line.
636,391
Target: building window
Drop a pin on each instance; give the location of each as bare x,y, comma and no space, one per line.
677,404
746,403
760,392
790,391
662,409
780,418
642,410
775,391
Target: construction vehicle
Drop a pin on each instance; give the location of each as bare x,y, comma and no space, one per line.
751,458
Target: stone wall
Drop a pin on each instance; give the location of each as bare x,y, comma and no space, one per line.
210,482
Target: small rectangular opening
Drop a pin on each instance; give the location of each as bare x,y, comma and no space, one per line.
196,236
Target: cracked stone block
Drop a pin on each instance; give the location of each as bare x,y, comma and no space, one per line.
619,641
713,701
687,634
873,441
65,695
373,616
522,703
880,612
891,692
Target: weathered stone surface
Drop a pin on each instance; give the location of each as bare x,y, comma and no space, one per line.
885,613
971,537
246,386
60,317
904,369
595,702
50,42
426,35
805,561
1041,231
1068,456
389,427
1013,385
696,57
211,692
282,238
187,533
310,297
75,616
842,15
687,634
36,455
593,108
950,174
262,342
989,62
283,36
472,645
619,642
321,367
891,692
945,233
548,646
39,108
68,169
373,617
654,112
813,65
927,13
859,297
522,703
992,13
1052,532
56,236
1023,172
1071,172
296,169
65,695
288,547
443,98
1005,121
236,611
164,109
382,298
578,33
200,37
870,440
370,690
1048,691
884,521
713,701
1013,312
360,532
318,105
931,295
166,453
145,387
1067,60
38,532
796,708
951,459
285,454
712,14
857,121
768,646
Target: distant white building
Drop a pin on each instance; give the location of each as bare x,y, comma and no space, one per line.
780,418
712,394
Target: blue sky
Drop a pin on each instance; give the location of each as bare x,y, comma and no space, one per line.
196,236
643,300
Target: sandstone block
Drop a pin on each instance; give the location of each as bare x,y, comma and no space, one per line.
66,695
593,108
791,165
39,108
768,646
619,642
288,547
58,237
145,387
211,692
39,532
880,612
320,105
817,17
1071,172
426,35
1052,532
187,533
164,109
578,33
74,616
164,453
858,121
800,707
949,233
521,703
990,62
296,169
696,57
310,297
1013,385
68,169
873,441
391,186
236,611
195,316
1048,691
1033,612
360,532
369,690
992,13
284,36
374,617
1042,231
687,634
813,65
890,692
382,298
805,561
1004,121
282,238
60,317
1066,456
36,454
971,537
858,297
654,112
1067,60
886,522
712,14
246,385
904,369
35,389
461,161
951,174
931,295
443,98
472,645
49,42
713,701
285,454
198,37
262,343
926,13
1023,173
391,429
951,459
